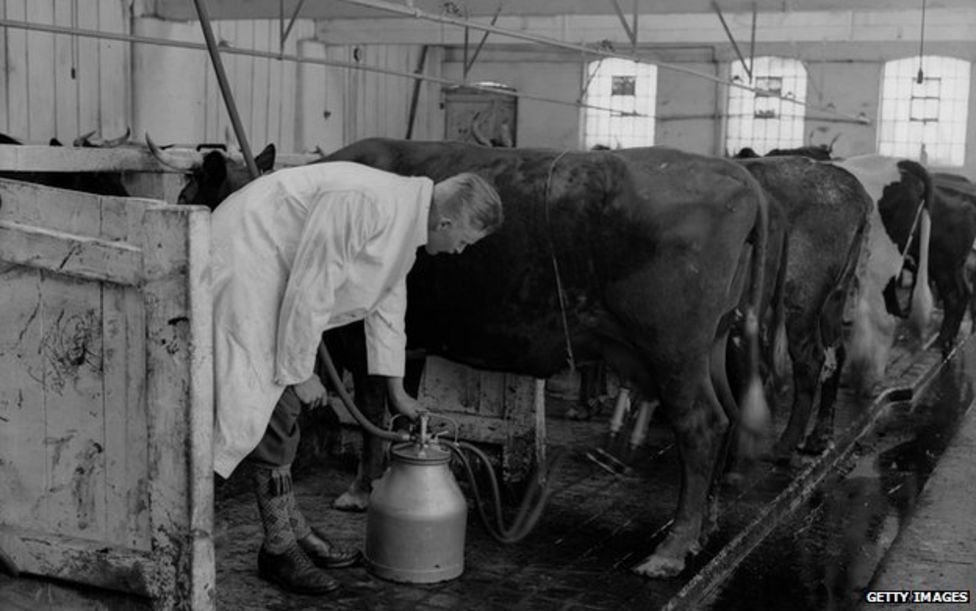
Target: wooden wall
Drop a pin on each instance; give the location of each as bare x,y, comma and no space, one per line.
59,85
176,96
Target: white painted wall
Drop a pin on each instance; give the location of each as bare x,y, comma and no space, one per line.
177,98
58,85
172,93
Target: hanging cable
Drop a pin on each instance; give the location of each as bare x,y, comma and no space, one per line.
555,264
921,48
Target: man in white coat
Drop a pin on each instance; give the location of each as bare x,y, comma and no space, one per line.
295,253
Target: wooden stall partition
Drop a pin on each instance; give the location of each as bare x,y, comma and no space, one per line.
502,410
106,393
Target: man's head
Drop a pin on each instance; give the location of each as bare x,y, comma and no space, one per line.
465,209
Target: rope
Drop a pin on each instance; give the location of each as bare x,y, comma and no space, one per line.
555,264
911,232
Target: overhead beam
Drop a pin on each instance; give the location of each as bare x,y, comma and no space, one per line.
943,25
182,10
735,46
631,34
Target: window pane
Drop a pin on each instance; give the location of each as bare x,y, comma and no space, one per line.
763,121
630,90
931,113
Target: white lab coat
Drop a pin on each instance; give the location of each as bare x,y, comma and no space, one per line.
295,253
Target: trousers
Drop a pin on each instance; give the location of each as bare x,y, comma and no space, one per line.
279,445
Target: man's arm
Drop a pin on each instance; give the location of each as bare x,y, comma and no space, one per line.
386,343
334,232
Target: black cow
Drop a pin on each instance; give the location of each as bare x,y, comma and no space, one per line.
822,213
953,234
213,175
901,229
820,152
654,257
98,183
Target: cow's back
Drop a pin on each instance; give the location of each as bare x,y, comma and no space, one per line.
608,224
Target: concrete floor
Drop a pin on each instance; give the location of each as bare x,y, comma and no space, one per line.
597,526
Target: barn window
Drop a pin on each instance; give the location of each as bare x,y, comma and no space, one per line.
762,120
925,120
629,89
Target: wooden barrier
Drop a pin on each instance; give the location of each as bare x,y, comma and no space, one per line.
106,392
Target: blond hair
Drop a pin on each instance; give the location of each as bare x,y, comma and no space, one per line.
471,198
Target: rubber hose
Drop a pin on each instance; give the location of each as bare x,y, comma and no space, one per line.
351,406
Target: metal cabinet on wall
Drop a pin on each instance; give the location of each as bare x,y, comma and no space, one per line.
480,116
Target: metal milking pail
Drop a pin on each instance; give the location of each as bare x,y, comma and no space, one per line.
417,516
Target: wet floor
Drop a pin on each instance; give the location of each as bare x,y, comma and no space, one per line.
826,555
599,525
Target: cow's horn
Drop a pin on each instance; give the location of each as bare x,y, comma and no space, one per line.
120,140
83,139
170,160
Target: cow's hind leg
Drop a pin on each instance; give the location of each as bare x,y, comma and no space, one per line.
807,353
823,432
370,394
698,423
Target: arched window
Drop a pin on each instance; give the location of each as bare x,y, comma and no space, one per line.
630,90
927,120
761,121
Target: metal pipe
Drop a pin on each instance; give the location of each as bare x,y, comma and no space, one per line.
291,24
390,7
728,34
414,98
481,44
623,21
163,42
235,118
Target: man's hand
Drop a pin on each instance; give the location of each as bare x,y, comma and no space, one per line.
402,402
311,392
408,406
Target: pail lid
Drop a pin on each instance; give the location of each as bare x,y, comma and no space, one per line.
412,452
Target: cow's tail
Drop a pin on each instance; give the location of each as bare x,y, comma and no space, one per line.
779,351
753,408
922,303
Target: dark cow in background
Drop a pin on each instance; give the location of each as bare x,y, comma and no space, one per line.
820,152
953,262
214,176
654,258
98,183
821,211
901,228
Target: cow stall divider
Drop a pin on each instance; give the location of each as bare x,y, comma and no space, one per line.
106,379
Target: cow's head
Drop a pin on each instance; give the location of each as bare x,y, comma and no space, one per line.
212,175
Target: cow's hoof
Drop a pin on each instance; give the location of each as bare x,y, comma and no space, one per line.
783,452
733,479
657,567
816,445
352,500
577,413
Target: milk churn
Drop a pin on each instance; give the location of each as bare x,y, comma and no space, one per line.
417,515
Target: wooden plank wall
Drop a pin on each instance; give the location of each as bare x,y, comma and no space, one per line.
57,85
376,104
265,90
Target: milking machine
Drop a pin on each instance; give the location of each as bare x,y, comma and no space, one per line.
617,453
417,516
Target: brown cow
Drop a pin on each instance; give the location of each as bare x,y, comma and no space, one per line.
653,259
